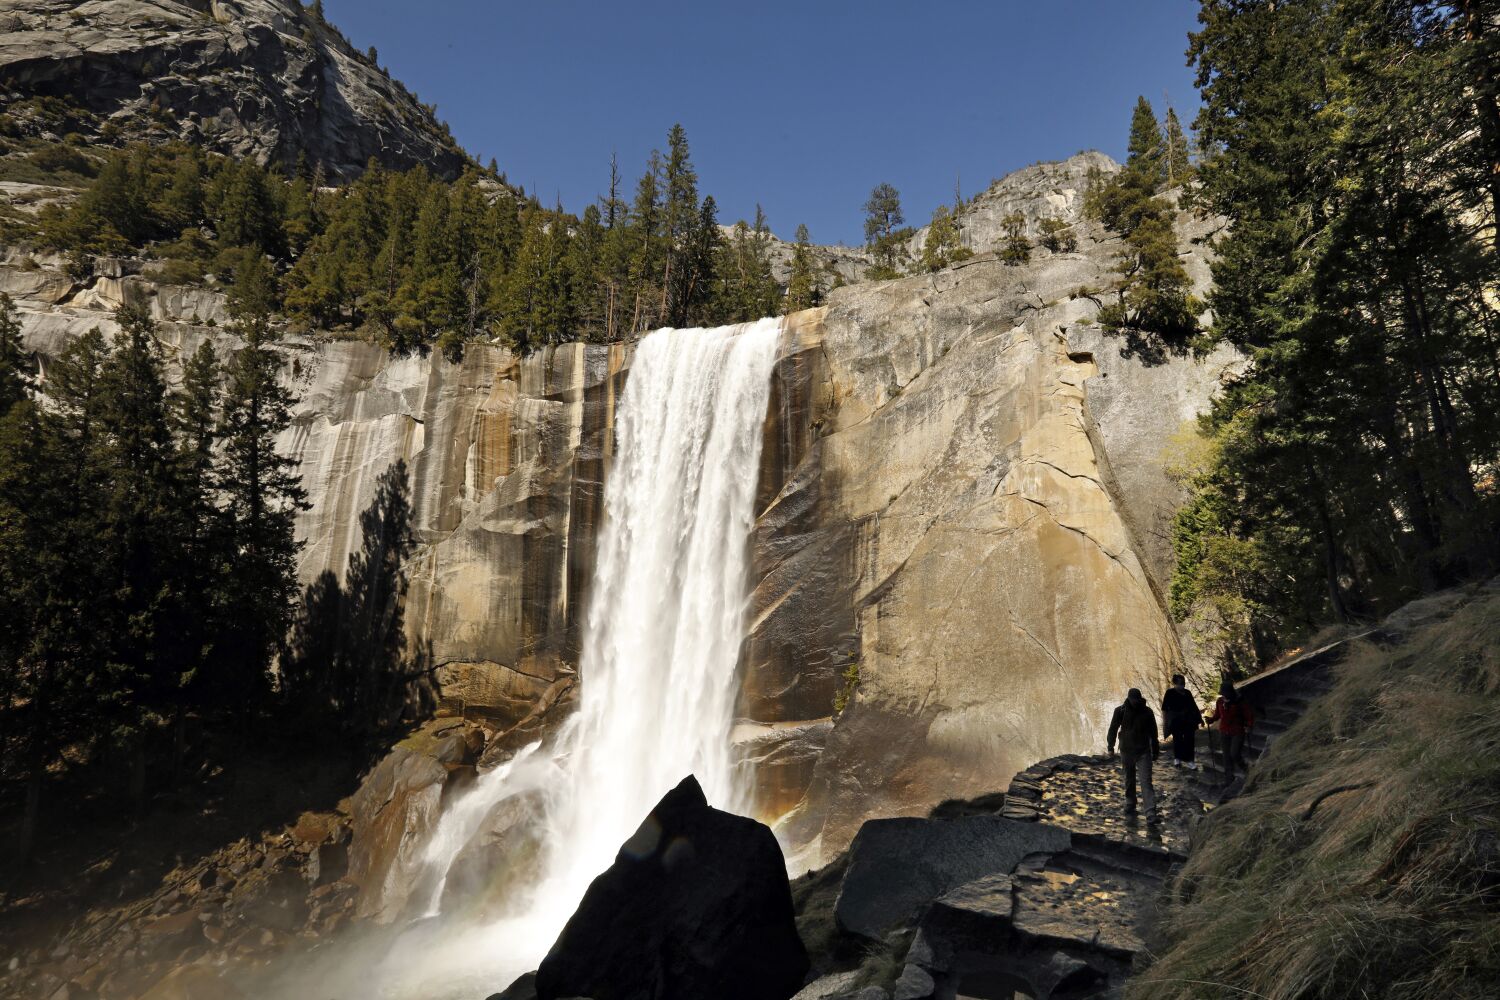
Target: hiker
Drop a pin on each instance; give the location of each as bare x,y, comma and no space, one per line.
1135,724
1235,718
1180,720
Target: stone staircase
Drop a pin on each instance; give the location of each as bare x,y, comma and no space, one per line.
1279,695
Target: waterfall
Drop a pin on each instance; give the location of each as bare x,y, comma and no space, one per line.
662,636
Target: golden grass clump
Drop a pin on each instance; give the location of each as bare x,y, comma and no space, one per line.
1363,859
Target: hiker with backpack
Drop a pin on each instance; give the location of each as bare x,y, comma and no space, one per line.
1135,725
1235,718
1180,721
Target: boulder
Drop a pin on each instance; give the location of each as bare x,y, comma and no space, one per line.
898,866
696,905
395,809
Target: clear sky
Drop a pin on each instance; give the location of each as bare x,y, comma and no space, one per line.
801,105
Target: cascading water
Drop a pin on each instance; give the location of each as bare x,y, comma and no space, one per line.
661,643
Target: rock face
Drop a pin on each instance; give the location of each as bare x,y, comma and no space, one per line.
960,541
961,547
1042,190
696,905
251,78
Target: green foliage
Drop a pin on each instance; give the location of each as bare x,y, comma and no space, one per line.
850,679
1057,235
421,264
804,287
883,235
1153,306
1015,246
1347,145
943,245
63,159
747,289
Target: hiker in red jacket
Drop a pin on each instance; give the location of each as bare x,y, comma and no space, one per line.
1235,718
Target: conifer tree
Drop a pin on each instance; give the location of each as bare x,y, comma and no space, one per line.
1015,247
1057,235
260,487
882,219
647,245
942,246
1177,156
585,253
1348,154
1147,152
15,374
1153,291
804,287
680,221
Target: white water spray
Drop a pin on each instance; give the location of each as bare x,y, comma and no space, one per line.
662,638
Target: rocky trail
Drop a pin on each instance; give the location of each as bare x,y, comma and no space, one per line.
1072,916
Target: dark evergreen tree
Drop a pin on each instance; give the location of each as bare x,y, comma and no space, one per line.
260,488
1345,144
15,361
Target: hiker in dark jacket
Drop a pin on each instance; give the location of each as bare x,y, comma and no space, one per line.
1180,720
1135,725
1235,718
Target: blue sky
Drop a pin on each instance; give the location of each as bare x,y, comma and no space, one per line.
802,106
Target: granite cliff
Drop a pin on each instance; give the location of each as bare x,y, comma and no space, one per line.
960,540
265,79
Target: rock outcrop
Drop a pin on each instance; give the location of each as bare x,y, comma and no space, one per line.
960,547
695,905
265,79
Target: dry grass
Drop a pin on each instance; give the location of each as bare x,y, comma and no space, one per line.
1363,861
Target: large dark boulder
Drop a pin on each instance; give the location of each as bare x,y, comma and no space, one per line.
696,905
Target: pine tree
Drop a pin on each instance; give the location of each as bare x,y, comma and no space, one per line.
56,641
140,536
804,288
536,301
882,217
647,248
1015,247
1147,155
1153,304
1057,235
260,487
585,263
204,568
15,367
1177,156
680,220
942,246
